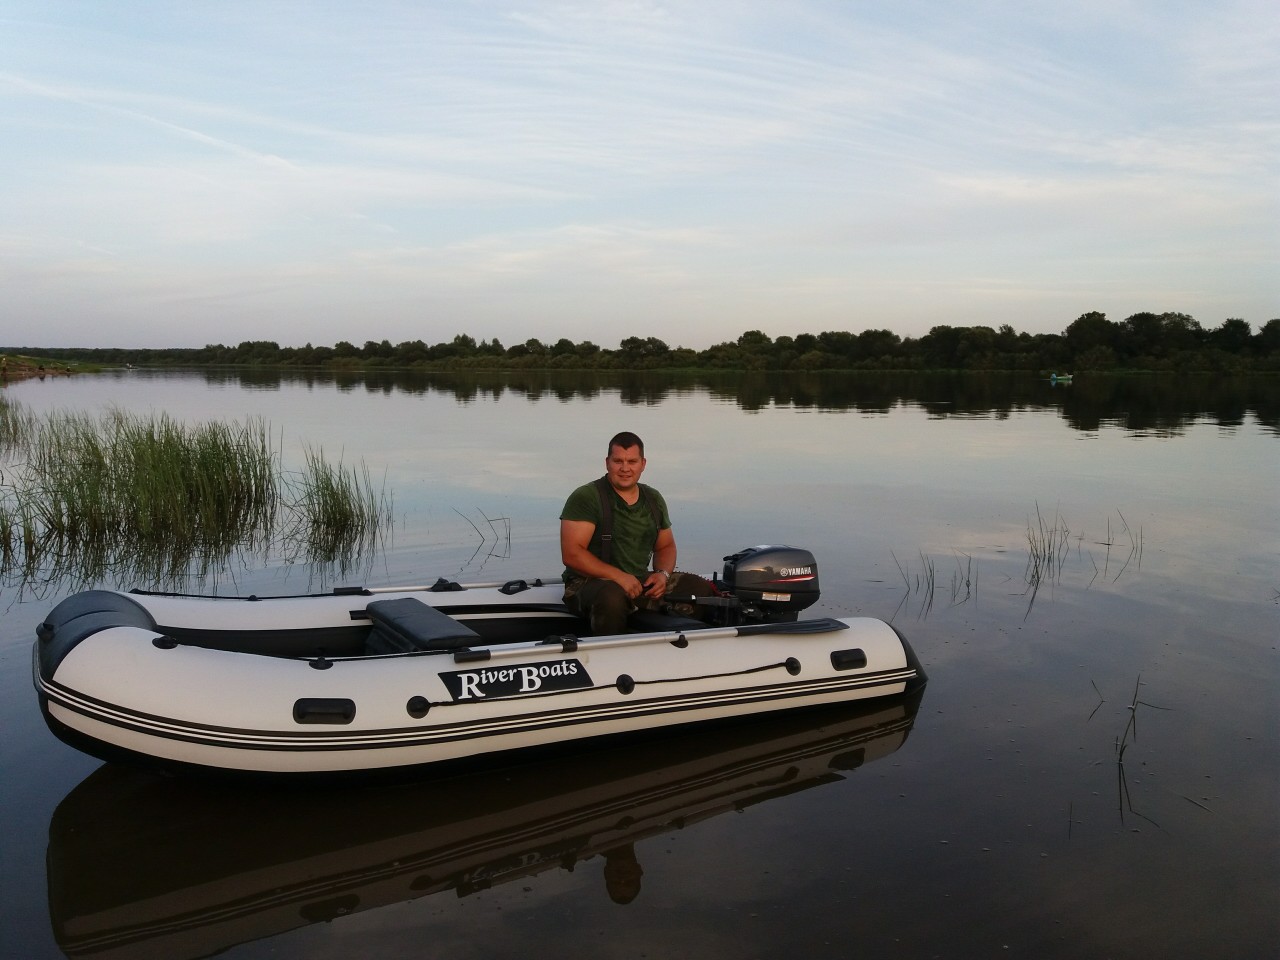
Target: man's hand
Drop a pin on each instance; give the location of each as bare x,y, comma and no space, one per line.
655,585
630,585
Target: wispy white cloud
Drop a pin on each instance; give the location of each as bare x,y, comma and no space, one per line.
715,166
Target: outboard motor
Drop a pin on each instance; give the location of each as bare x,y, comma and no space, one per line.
778,581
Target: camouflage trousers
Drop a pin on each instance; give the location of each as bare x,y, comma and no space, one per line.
605,605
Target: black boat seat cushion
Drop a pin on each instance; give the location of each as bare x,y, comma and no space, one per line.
405,625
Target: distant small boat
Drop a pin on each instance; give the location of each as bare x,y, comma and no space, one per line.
1060,377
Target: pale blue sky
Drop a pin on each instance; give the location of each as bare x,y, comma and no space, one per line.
179,173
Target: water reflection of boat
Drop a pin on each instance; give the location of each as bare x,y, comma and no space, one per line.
169,867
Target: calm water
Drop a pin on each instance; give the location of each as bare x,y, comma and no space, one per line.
995,820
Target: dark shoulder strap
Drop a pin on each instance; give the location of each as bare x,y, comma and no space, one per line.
605,490
653,507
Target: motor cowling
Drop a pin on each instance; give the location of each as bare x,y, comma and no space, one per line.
779,580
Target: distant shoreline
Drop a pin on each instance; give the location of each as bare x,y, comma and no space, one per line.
1170,343
13,369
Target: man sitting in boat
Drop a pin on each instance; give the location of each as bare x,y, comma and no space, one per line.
617,546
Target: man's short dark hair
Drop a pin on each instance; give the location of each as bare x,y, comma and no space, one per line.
626,440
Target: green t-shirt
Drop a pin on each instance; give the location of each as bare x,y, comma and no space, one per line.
634,532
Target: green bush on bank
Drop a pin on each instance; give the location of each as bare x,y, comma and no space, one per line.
1144,341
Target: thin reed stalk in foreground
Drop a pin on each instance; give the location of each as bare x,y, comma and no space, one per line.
964,582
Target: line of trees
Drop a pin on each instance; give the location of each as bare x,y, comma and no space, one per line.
1143,341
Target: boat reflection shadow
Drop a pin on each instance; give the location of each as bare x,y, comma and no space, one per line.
143,866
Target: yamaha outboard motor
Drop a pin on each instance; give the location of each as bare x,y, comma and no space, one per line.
775,582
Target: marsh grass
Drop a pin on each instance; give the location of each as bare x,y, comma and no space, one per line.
337,514
155,500
924,585
1048,545
17,425
1122,743
964,580
96,482
1110,542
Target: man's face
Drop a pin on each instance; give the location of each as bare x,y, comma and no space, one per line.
624,466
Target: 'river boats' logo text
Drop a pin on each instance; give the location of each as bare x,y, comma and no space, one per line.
512,681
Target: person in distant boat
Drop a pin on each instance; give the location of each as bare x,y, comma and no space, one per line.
618,548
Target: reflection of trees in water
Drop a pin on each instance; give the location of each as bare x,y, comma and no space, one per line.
1167,405
1162,404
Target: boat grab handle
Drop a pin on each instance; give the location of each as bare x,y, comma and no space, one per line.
324,710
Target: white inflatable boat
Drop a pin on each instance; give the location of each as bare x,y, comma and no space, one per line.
373,679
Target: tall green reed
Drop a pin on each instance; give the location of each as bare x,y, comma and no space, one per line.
152,499
336,511
204,486
17,424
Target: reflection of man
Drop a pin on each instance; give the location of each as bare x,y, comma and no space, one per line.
622,873
610,530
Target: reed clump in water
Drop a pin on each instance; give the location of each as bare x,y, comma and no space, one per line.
1048,545
17,425
138,479
336,510
964,582
155,499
